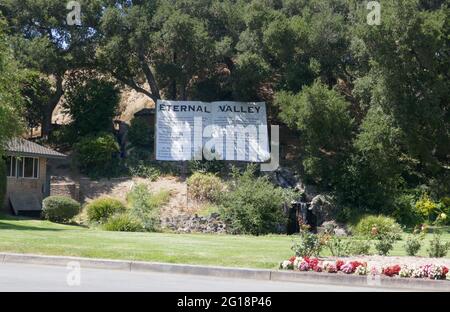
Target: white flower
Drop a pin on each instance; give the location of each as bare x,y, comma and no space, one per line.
361,270
287,265
406,272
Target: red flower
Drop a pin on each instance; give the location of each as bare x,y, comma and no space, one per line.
317,269
292,259
339,263
356,264
444,271
392,270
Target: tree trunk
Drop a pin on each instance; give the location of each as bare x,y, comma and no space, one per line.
150,79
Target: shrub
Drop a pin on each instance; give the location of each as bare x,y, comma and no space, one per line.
60,208
123,222
385,243
360,247
406,212
204,186
437,247
141,133
253,205
426,206
378,225
308,244
211,166
145,206
99,210
97,155
338,246
145,171
413,244
2,181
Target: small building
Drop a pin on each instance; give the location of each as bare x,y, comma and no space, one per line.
27,180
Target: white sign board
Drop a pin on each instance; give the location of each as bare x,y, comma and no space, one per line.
188,130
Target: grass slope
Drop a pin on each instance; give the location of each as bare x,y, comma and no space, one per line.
43,237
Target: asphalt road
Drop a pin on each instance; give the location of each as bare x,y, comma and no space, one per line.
35,278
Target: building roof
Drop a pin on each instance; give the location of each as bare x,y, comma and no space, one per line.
22,147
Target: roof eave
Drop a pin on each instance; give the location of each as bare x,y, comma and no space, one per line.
24,154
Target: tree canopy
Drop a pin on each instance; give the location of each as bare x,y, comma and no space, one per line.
370,103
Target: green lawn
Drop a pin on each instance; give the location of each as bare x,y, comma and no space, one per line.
43,237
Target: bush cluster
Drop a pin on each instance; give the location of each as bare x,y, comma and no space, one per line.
60,208
145,206
98,155
253,205
123,222
100,209
204,186
372,226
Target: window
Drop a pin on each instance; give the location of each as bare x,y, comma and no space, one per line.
23,167
11,166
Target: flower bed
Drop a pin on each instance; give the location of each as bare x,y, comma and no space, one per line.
305,264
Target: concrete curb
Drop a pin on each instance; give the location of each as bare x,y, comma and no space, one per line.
259,274
201,270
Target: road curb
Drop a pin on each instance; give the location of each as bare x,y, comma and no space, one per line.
63,261
201,270
258,274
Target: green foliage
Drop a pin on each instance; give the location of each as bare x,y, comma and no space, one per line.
360,247
413,244
322,116
2,181
92,105
141,134
371,226
252,205
60,208
385,243
405,212
122,222
10,98
370,103
338,246
204,166
204,186
437,247
98,155
100,209
36,91
372,181
64,136
251,71
145,171
308,244
145,206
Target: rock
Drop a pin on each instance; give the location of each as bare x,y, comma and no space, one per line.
215,215
340,232
332,227
195,223
323,207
